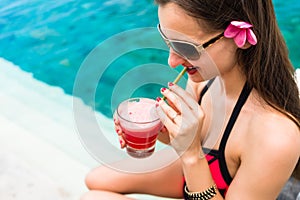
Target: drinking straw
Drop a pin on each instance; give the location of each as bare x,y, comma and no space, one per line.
179,75
178,78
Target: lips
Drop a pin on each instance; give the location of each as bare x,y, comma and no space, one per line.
191,70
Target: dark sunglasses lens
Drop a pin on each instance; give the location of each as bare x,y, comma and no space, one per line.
186,50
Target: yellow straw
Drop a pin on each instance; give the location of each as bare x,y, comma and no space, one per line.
178,78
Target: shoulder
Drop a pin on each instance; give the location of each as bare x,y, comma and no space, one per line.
269,126
270,153
273,142
275,129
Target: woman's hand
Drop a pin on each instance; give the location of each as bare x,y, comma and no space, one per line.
183,120
119,131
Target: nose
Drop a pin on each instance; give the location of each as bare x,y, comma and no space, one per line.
175,59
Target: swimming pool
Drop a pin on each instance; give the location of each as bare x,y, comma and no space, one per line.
51,40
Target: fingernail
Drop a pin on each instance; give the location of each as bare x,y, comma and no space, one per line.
121,142
163,89
170,84
156,105
158,99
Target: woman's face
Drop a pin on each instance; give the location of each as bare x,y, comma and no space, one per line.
217,59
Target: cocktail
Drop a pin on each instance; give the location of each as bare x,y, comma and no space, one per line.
140,124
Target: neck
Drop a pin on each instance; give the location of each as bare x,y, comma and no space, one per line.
234,81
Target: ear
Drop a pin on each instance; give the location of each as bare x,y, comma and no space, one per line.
246,46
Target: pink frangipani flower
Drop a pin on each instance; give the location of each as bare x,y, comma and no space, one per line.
241,32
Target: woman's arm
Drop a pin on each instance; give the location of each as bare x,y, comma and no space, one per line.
185,133
270,155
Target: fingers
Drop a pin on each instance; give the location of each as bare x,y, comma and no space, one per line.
163,116
118,128
172,105
182,116
122,142
119,131
176,104
187,98
183,107
121,138
169,117
164,130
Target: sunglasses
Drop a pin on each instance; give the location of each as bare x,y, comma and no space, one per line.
186,49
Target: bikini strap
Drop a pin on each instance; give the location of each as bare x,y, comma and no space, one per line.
235,113
205,90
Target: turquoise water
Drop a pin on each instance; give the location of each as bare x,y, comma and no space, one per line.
51,39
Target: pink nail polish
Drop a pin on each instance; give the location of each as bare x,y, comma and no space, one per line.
170,84
163,89
158,99
156,105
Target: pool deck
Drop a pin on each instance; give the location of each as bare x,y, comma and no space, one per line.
41,156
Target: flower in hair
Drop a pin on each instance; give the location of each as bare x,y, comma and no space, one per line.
241,32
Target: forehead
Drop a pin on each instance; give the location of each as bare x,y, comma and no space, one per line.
174,21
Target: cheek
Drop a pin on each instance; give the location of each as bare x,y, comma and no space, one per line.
224,55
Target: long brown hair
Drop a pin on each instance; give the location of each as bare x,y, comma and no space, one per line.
266,65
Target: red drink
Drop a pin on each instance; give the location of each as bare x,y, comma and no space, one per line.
140,123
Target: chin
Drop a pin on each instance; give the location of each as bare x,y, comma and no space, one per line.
196,78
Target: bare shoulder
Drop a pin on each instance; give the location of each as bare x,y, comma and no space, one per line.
270,127
275,130
270,151
277,140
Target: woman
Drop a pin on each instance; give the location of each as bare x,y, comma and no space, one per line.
259,144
